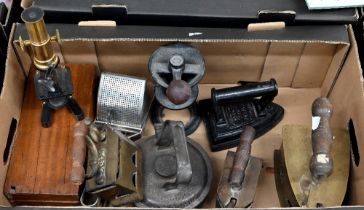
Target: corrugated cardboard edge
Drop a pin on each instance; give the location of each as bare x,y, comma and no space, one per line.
336,94
350,106
10,101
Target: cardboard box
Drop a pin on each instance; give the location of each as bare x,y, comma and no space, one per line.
214,13
306,61
9,16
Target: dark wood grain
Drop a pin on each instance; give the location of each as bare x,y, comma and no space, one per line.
41,160
321,164
242,157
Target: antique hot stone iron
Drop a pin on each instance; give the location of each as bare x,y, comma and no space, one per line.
312,167
177,69
114,166
177,171
240,176
231,109
123,102
53,83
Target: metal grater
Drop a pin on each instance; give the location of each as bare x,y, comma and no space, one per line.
123,102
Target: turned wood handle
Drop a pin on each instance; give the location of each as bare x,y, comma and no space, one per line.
321,164
79,152
242,157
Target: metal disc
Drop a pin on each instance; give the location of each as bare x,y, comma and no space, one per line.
185,195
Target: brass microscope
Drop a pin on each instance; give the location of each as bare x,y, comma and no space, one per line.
53,82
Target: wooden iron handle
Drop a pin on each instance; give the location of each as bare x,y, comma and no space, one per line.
321,163
241,158
79,151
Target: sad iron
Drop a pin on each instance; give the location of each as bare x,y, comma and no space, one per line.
231,109
240,176
114,166
177,170
313,171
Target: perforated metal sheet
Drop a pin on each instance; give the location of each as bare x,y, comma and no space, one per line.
123,102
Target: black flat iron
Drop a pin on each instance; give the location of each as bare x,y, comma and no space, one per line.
230,110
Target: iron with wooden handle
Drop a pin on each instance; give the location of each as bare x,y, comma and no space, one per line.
312,167
79,149
240,176
321,164
85,136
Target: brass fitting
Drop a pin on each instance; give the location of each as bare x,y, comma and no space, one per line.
39,39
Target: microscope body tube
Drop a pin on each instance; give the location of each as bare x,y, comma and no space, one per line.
39,39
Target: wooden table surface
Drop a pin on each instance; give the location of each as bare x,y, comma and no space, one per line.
41,158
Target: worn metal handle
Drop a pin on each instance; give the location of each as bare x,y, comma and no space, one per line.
321,163
248,91
241,158
173,132
79,152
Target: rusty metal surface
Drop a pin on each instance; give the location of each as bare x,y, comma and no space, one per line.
169,157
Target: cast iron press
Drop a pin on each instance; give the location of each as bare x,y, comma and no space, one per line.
177,171
231,109
177,69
